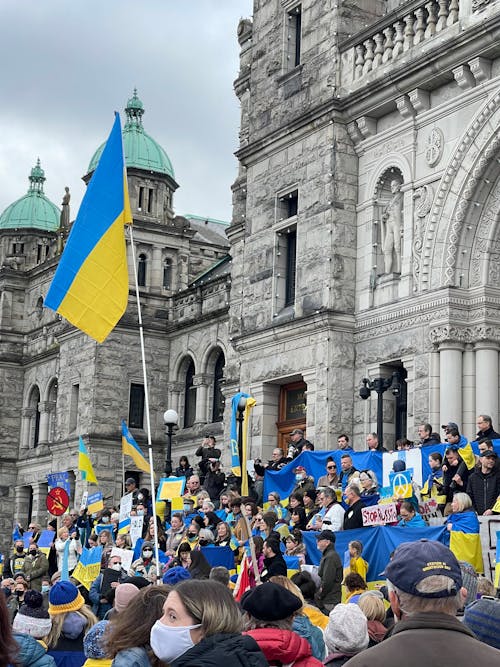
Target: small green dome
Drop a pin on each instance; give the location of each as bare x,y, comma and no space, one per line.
34,210
141,150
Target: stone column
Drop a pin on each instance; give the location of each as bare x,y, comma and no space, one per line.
39,511
156,278
469,391
265,414
487,380
21,503
450,382
434,390
27,414
202,382
43,437
176,388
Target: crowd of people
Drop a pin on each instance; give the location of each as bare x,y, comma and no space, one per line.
254,611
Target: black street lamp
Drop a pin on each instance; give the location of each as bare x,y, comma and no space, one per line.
170,419
380,385
240,417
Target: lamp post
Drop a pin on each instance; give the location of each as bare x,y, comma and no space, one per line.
240,417
380,385
170,419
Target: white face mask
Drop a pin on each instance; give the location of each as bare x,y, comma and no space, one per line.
147,553
169,642
116,566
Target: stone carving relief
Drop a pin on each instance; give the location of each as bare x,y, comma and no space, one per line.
434,147
477,5
390,216
484,249
424,197
449,333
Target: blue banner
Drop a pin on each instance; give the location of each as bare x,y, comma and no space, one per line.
59,479
235,454
378,543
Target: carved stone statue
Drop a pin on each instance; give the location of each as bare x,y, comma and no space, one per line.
392,220
63,221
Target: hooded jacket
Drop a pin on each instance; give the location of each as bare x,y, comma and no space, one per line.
31,653
304,628
223,649
282,647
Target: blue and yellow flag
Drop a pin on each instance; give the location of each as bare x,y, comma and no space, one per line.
95,502
88,567
132,449
90,286
84,464
464,538
497,563
236,464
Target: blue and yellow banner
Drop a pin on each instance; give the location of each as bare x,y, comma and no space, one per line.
464,538
236,465
90,286
84,464
497,564
88,567
132,449
95,502
170,487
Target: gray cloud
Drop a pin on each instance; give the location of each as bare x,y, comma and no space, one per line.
68,64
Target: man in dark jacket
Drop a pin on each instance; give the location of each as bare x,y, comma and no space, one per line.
425,592
485,426
215,480
483,486
427,437
35,567
274,563
330,572
353,518
208,452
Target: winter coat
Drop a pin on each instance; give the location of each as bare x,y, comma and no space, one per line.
141,569
282,647
31,653
304,628
331,573
73,554
422,638
353,516
132,657
232,650
376,632
35,568
273,567
337,659
483,489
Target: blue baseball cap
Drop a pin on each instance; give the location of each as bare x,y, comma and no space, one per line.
415,561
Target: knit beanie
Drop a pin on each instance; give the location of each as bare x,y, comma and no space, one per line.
483,618
347,629
64,596
469,579
93,646
123,594
32,619
176,574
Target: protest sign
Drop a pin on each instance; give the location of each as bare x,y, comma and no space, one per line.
136,523
379,515
127,555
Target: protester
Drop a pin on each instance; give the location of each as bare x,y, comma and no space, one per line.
184,469
35,566
8,647
145,566
201,627
355,585
294,546
302,624
356,563
307,586
331,478
353,517
199,568
32,619
332,514
71,619
346,634
274,563
75,548
330,572
270,611
223,536
103,584
434,482
425,593
128,634
372,605
348,471
483,485
94,646
409,517
483,617
369,484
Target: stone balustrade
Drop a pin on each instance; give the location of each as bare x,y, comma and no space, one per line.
408,27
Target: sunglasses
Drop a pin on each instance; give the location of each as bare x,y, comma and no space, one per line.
331,467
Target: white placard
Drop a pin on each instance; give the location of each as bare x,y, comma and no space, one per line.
379,515
126,555
136,523
125,506
84,500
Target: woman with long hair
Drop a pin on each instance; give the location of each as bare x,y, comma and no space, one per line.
8,647
149,534
71,619
75,548
223,537
127,637
295,546
201,626
184,469
199,567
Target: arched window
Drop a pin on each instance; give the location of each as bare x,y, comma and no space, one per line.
141,270
189,397
167,273
218,405
34,403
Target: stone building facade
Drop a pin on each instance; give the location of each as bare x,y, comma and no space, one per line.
364,243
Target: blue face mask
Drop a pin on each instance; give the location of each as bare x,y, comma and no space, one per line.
45,589
298,477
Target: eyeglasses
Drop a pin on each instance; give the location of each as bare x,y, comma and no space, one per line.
331,467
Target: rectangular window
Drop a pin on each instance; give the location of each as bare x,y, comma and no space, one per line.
294,36
167,273
136,406
140,203
291,265
73,407
38,254
150,200
288,205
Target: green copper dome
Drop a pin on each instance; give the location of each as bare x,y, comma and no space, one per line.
34,210
141,151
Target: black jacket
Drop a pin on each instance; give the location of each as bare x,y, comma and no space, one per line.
231,650
353,518
331,573
489,433
214,483
274,566
483,489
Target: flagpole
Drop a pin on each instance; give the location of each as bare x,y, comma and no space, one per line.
123,473
146,400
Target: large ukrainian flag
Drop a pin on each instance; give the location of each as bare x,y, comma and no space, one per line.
90,286
132,449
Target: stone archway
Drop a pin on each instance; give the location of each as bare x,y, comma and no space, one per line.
451,224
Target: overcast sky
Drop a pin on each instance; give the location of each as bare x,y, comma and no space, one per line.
68,64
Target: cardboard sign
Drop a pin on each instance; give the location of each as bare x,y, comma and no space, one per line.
136,523
379,515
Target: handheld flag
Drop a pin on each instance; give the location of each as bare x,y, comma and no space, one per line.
90,286
88,567
464,538
132,449
84,464
95,502
236,465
